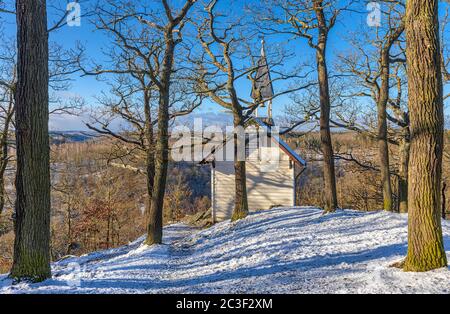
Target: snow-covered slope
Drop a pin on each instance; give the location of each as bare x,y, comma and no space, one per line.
285,250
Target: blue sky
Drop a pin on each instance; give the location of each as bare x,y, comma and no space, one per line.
95,42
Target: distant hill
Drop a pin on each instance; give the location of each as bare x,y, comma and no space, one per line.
59,137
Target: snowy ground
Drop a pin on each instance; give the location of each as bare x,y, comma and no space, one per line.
291,250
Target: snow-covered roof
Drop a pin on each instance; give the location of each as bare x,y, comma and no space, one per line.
286,148
283,145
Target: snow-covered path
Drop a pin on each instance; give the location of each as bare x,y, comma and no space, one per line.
289,250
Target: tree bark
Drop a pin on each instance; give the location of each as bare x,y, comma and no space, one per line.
150,178
403,173
383,147
444,206
32,206
240,177
149,152
329,177
425,242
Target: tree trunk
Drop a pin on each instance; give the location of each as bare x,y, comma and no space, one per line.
150,164
329,177
403,173
444,206
425,243
3,164
69,228
108,230
154,230
4,159
325,134
2,194
32,207
240,177
150,152
383,147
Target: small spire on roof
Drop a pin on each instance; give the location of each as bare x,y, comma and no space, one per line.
262,89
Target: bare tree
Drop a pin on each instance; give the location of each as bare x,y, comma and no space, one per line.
62,63
311,20
401,133
8,81
382,101
135,63
370,62
225,95
144,62
172,36
226,59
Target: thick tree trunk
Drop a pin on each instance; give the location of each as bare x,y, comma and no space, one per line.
32,223
155,224
240,177
154,230
425,243
403,173
383,147
325,135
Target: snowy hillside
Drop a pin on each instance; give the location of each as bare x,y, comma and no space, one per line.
292,250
